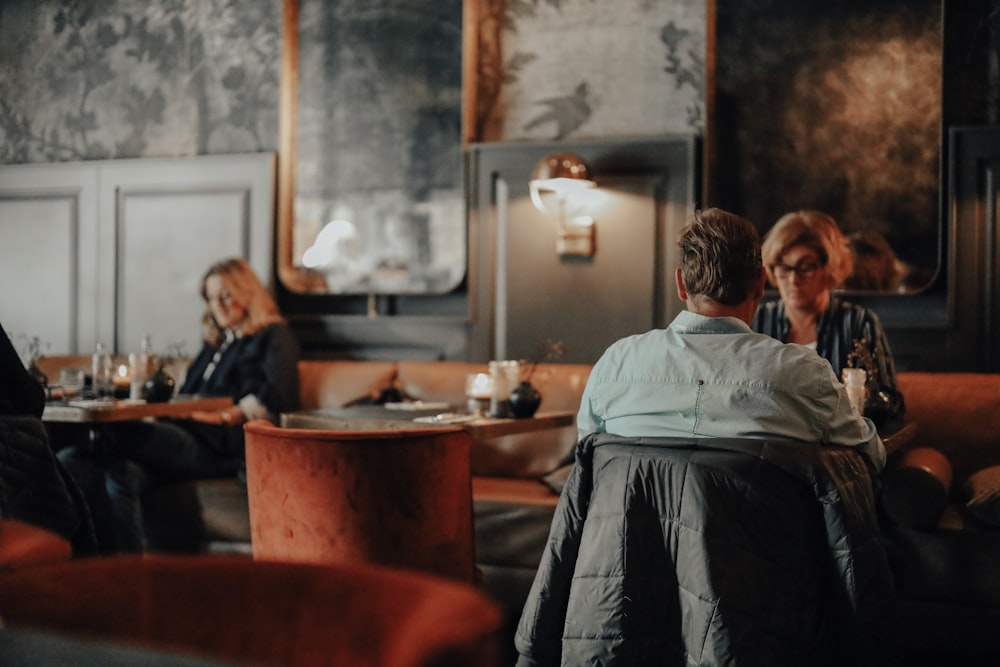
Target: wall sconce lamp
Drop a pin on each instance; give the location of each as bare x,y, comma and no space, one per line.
557,178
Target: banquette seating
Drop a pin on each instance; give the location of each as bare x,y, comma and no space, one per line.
940,498
937,499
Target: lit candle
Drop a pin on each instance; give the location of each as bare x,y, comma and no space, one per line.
479,385
122,377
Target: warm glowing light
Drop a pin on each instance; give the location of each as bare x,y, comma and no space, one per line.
561,187
122,378
479,385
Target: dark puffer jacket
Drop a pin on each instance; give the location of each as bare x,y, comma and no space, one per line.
35,488
674,551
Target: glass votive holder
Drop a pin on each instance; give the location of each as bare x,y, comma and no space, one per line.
478,390
504,374
71,380
121,381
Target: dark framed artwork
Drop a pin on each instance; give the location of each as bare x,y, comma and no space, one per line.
835,106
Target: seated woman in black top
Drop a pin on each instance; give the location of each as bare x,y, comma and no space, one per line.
249,354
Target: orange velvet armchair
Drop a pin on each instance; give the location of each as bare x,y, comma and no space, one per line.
399,497
246,612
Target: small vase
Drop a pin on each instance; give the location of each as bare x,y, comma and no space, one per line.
524,400
877,408
158,387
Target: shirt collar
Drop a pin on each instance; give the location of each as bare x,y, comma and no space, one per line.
693,323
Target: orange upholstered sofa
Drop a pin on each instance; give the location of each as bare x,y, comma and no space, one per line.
940,499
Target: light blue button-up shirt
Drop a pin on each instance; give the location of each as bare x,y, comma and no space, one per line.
714,377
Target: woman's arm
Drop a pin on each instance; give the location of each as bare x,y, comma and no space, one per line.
261,374
271,375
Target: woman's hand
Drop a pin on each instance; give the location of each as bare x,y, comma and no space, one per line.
231,416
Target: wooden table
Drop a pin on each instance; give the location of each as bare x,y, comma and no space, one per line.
362,418
93,412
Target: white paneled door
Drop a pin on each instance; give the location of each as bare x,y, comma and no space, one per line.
111,250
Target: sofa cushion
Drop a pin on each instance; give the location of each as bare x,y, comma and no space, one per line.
983,489
916,487
332,384
955,413
436,380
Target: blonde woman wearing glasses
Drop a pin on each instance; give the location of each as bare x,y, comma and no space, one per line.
806,256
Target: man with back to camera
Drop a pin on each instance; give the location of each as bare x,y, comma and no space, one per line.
674,553
708,374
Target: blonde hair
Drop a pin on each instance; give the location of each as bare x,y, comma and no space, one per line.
815,230
245,287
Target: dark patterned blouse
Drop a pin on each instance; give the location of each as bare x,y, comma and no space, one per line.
847,335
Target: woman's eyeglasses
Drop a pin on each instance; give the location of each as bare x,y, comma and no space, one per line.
802,270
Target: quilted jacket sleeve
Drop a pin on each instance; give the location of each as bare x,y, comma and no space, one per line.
35,488
848,501
539,633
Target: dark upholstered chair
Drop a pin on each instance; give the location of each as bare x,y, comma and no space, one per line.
400,497
241,611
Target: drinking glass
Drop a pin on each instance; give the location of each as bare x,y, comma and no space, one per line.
103,378
71,380
854,381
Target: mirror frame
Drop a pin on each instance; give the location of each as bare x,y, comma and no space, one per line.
294,280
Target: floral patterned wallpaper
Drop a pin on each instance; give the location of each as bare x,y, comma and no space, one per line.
99,79
552,69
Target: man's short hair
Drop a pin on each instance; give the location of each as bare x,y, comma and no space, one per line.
720,256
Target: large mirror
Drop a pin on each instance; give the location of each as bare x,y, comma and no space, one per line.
370,192
834,106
